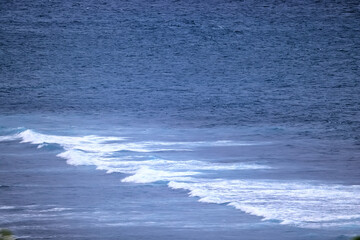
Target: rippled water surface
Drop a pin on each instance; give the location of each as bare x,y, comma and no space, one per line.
250,108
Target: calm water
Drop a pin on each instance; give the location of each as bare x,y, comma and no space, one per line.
250,108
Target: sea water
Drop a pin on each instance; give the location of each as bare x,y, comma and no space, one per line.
238,116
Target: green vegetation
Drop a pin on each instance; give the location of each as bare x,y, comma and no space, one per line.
6,234
356,238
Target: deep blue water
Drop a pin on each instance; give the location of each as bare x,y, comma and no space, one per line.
250,107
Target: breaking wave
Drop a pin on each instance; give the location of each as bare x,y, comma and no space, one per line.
304,204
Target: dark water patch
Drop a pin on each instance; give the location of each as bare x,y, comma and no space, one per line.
178,62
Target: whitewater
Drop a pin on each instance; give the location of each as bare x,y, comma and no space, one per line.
305,203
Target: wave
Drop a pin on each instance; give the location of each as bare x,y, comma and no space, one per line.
305,204
7,207
103,152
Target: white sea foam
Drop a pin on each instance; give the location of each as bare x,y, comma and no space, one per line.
99,151
300,204
56,209
77,157
146,175
7,207
111,144
8,138
305,205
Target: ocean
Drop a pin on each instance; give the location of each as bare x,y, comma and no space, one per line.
180,119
